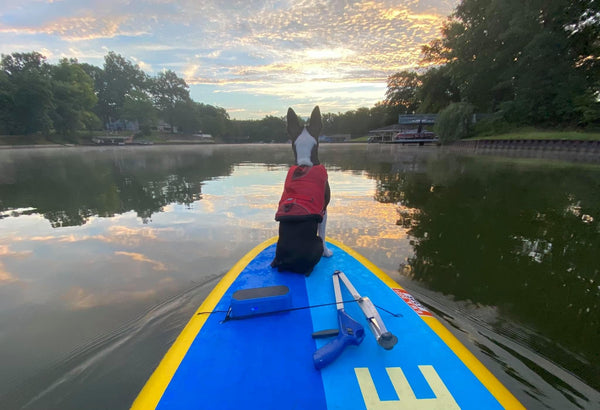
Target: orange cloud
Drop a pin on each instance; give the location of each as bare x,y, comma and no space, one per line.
6,277
142,258
5,251
80,298
80,28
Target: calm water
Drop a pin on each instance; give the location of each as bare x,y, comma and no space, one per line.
105,253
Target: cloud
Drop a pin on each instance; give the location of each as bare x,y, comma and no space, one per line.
88,26
5,276
80,298
225,43
142,258
5,251
365,43
117,234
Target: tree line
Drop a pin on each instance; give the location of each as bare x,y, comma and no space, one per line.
69,97
522,63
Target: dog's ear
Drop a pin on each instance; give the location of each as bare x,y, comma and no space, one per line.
316,125
293,124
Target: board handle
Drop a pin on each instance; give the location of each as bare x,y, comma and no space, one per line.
350,333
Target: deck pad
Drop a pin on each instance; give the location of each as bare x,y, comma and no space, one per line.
265,361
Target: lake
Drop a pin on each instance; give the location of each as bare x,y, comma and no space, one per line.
105,254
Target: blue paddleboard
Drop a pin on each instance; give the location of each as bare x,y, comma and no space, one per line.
250,345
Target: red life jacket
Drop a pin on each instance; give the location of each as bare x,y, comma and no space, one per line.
303,194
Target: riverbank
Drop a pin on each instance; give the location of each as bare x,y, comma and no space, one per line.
38,141
535,134
543,139
585,151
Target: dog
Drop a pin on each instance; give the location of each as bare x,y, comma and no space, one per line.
302,211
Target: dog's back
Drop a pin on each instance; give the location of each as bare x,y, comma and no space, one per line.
299,248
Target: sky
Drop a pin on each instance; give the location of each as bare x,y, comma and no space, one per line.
253,58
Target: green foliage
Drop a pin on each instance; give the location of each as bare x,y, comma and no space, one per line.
74,98
436,91
40,98
588,106
185,115
118,80
213,120
532,133
492,125
535,62
169,91
454,122
138,107
401,92
29,99
268,129
7,103
359,122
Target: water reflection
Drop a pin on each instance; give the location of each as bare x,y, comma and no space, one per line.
69,189
93,240
113,234
521,236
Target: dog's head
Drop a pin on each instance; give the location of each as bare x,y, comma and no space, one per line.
305,140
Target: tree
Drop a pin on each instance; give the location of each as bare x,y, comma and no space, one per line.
359,122
436,91
7,103
28,99
74,98
138,107
213,120
381,114
118,80
533,61
401,94
269,129
455,122
185,115
168,90
584,35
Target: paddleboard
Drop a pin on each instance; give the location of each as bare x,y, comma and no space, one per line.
250,345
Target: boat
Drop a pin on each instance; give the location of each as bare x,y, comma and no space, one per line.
345,337
413,136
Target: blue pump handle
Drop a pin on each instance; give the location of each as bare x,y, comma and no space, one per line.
351,333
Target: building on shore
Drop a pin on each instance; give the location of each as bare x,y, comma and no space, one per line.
410,129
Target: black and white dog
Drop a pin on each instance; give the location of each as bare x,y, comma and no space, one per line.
302,212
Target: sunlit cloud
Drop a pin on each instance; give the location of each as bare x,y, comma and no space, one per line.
80,298
138,257
227,44
142,64
6,277
5,251
116,234
134,236
77,28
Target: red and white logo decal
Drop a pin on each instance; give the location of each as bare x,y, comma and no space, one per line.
412,302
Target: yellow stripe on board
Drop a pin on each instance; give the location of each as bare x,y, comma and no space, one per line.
160,379
497,389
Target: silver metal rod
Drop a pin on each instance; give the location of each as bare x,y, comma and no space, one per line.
385,338
338,291
348,284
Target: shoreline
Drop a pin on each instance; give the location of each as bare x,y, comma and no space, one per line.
587,151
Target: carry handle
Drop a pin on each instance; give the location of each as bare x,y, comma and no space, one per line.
351,333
